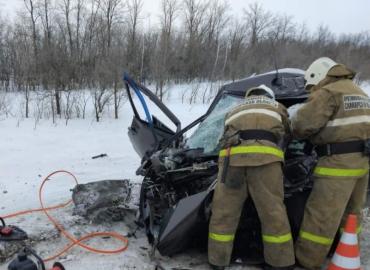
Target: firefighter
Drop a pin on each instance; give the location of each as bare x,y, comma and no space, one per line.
250,165
336,119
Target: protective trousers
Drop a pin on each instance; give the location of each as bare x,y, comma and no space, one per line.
330,202
265,186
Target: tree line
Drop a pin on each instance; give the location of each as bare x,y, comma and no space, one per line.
60,45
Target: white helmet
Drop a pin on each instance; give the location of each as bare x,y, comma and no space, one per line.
318,70
262,87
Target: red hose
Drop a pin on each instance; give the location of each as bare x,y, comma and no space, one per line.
73,241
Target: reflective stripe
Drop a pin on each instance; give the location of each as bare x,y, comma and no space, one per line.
280,239
339,172
221,237
349,121
345,262
315,238
251,111
349,239
253,149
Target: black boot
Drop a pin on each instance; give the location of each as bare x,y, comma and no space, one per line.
270,267
216,267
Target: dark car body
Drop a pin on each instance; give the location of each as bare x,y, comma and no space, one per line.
179,174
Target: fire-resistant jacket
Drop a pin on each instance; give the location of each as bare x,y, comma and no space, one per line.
257,113
336,111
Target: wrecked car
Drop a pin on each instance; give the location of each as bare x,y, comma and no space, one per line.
179,171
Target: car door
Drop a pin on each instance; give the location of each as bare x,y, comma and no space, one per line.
147,133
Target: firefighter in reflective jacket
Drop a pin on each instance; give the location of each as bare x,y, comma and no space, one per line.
250,165
336,118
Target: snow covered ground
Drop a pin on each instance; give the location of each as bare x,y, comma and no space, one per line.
29,152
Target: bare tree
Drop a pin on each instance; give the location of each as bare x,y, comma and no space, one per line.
133,19
258,22
194,15
69,102
30,6
81,99
67,8
79,5
58,47
167,17
236,37
217,20
110,9
101,98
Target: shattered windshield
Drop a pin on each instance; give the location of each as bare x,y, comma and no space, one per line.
209,132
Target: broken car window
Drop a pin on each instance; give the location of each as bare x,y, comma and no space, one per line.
209,132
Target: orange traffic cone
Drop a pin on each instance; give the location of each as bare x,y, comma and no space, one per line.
347,255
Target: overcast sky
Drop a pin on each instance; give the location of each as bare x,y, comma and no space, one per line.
341,16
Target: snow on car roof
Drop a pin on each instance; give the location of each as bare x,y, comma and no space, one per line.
287,70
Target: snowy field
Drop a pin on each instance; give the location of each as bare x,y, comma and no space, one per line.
33,150
30,151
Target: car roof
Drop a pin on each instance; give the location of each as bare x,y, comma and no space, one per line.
286,83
